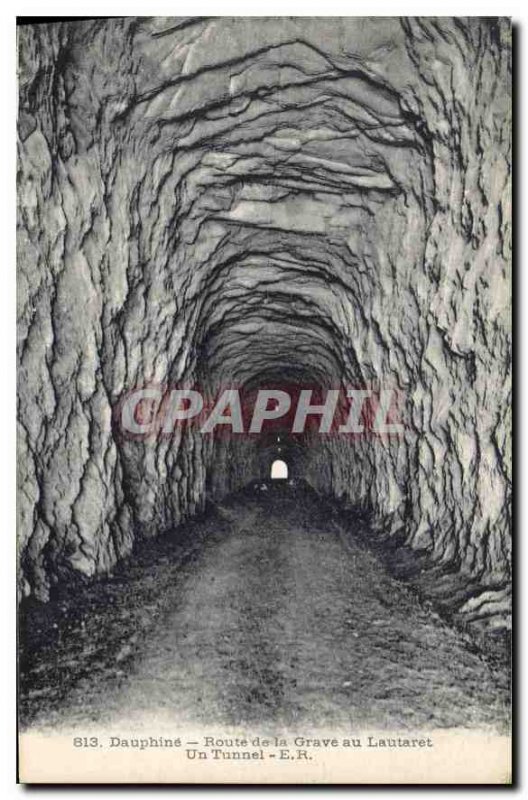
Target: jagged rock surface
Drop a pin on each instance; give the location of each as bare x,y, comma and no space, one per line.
214,201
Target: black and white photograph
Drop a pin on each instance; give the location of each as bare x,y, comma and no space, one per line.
264,399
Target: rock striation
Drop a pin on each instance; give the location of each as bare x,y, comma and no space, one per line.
216,201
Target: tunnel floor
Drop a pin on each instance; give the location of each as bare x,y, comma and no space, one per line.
261,612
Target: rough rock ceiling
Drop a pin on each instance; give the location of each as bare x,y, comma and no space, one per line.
324,201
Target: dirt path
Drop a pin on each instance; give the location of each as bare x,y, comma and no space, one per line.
275,618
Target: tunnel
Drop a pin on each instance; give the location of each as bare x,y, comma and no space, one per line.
318,202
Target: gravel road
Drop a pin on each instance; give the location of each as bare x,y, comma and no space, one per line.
262,612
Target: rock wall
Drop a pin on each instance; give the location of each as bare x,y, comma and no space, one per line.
217,201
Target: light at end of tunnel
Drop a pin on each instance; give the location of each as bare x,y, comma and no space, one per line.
279,470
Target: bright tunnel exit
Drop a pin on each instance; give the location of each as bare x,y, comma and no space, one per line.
279,470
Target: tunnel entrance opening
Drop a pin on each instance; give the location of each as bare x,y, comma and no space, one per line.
279,471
